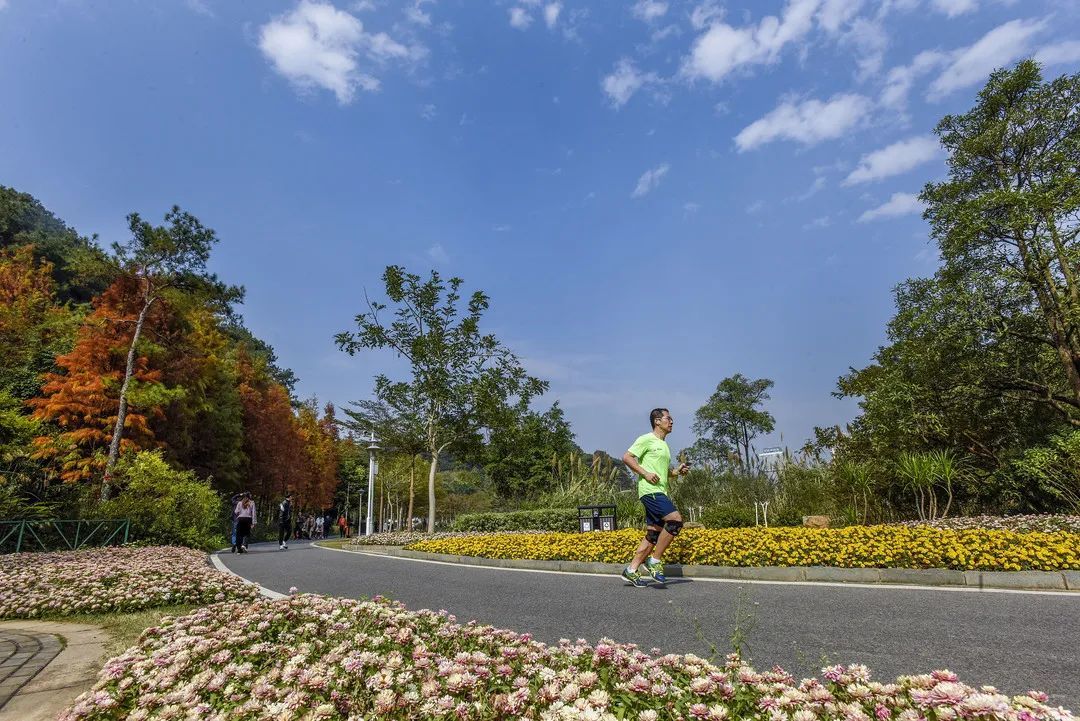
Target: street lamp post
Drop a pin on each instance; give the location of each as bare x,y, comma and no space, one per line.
373,468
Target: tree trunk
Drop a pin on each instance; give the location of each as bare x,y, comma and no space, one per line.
118,429
431,492
412,488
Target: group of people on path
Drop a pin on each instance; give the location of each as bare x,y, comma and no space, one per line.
311,525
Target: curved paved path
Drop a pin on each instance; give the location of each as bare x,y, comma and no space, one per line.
22,655
1015,641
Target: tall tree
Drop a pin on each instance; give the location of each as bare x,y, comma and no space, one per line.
459,377
163,260
82,399
1005,220
733,418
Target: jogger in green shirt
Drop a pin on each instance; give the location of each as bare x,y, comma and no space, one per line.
650,458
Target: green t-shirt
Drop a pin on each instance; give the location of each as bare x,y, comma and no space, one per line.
654,455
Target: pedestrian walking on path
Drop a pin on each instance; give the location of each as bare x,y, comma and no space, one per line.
233,504
284,522
245,521
650,458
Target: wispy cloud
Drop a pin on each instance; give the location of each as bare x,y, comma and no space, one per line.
437,254
899,80
899,204
952,8
196,6
1059,53
520,18
551,14
649,10
895,159
722,48
428,112
649,180
624,81
971,65
808,122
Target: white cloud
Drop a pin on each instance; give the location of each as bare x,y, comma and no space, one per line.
500,228
895,159
835,13
416,15
870,41
952,8
1059,53
723,48
649,10
664,33
817,223
899,80
756,207
362,6
551,14
437,254
898,204
318,46
428,112
520,18
621,84
973,64
705,13
808,122
816,187
690,208
198,6
649,180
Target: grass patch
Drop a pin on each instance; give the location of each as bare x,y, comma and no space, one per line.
124,629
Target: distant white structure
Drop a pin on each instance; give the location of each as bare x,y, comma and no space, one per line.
771,460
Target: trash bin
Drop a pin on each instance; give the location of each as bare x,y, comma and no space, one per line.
596,518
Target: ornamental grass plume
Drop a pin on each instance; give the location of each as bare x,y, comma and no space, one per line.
314,657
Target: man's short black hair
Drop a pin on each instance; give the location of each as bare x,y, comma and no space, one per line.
655,415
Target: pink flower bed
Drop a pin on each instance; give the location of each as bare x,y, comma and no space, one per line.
313,657
104,580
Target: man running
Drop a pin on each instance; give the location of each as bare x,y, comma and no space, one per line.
650,459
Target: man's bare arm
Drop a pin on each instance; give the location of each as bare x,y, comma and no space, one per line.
632,463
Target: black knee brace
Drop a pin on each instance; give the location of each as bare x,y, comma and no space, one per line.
673,527
652,535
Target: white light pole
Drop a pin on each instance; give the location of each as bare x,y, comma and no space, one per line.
373,468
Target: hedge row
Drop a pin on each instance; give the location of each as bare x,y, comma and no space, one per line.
546,519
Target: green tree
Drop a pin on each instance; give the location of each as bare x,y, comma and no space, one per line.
167,262
518,454
460,378
732,417
1005,221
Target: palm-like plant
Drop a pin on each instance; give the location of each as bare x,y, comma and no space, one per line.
917,470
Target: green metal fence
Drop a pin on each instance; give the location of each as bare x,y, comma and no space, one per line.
61,535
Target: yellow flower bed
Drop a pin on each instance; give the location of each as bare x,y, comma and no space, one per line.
852,547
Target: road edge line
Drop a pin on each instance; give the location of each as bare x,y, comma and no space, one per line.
263,590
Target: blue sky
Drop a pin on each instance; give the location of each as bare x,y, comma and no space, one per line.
655,195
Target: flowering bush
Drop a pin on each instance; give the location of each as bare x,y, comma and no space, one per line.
1044,523
111,579
851,547
319,658
404,538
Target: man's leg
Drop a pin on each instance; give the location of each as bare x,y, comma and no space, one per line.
644,547
673,521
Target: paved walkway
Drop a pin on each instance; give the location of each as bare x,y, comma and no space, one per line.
40,675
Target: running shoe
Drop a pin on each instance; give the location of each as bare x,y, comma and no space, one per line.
633,577
655,569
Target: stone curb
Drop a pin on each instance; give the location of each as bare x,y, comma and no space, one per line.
1008,580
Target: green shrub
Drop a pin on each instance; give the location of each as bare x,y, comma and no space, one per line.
544,519
728,516
165,506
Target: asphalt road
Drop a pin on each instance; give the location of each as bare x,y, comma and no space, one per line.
1015,641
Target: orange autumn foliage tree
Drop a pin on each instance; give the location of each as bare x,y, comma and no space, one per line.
31,322
82,401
